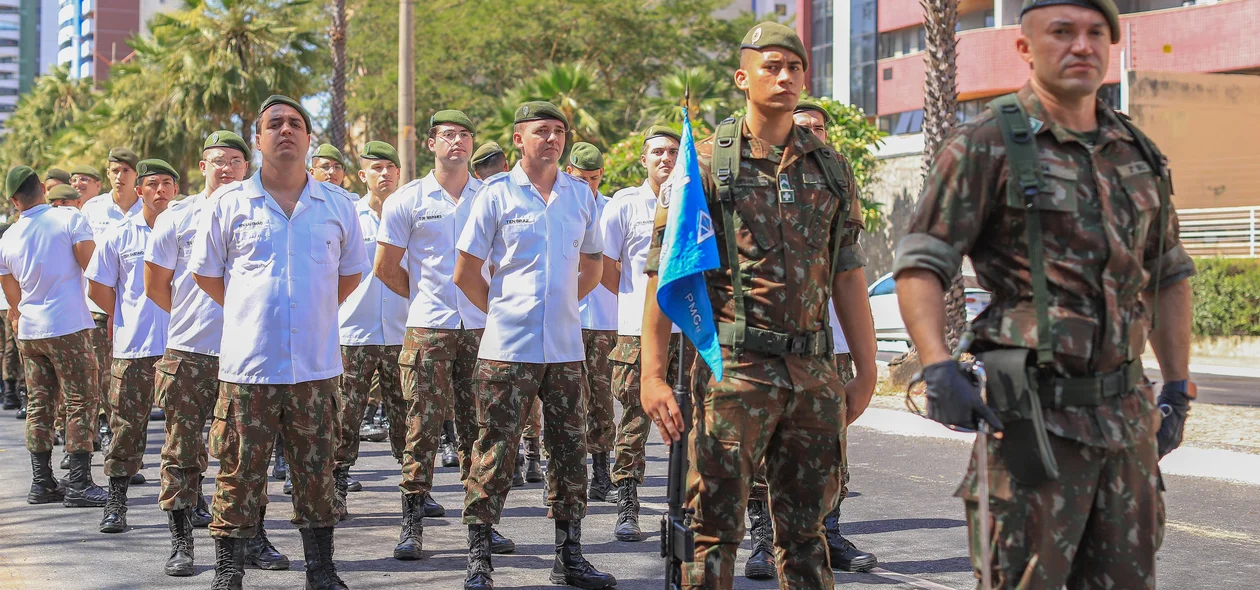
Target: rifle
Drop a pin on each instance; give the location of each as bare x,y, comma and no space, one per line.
678,543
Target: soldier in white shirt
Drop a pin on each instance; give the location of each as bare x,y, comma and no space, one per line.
280,251
372,322
422,222
188,374
103,212
599,336
42,257
116,282
626,225
537,227
329,165
85,180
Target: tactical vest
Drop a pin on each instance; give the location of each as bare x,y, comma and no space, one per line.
723,171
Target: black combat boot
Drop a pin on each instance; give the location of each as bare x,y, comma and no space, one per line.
844,555
533,460
157,414
279,467
21,412
352,484
570,567
601,483
518,471
44,487
500,545
340,484
259,552
115,520
760,564
180,563
287,488
431,508
138,479
450,457
81,491
479,567
200,515
371,430
321,574
411,539
106,435
65,461
627,527
229,563
11,401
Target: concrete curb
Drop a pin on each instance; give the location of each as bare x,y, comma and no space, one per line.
1207,369
1187,461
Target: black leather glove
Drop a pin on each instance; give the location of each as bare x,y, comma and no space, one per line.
953,397
1174,403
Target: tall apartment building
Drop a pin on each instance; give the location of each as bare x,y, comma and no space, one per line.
10,53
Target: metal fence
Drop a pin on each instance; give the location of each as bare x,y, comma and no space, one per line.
1222,231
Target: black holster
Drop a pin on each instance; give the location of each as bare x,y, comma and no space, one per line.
1012,393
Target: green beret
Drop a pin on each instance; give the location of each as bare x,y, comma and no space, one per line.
772,34
85,170
124,156
379,150
661,131
453,117
809,104
535,110
57,174
17,176
227,139
1106,7
276,99
585,156
61,192
486,150
329,152
153,167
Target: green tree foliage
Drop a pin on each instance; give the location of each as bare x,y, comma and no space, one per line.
54,103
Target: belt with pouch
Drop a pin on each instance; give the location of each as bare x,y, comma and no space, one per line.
1061,392
778,344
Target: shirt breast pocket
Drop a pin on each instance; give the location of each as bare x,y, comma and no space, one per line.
571,239
249,244
517,241
325,244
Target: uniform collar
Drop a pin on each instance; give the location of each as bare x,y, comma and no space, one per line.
429,186
519,177
1109,126
316,189
799,143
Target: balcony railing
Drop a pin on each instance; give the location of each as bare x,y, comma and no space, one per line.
1222,231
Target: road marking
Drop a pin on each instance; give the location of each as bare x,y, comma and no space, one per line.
1213,533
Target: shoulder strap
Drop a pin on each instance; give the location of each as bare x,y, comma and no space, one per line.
1163,181
724,169
833,174
1023,183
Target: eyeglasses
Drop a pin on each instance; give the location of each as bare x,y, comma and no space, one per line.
453,136
330,167
221,163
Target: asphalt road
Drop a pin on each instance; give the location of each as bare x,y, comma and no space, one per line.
901,508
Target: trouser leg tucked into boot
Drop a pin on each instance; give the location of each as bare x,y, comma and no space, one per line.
844,555
479,567
340,476
570,567
229,563
180,563
200,515
259,552
533,460
627,527
81,491
115,519
411,539
321,574
601,483
279,467
44,487
760,564
11,401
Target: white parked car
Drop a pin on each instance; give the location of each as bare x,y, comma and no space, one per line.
888,323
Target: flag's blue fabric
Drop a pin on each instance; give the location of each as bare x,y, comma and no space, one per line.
688,248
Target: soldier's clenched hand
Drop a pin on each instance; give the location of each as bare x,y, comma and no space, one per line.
658,402
953,399
1174,404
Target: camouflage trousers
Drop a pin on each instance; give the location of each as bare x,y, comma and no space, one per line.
9,351
738,424
533,420
844,366
629,458
64,364
601,432
187,387
246,420
103,347
1097,526
131,390
506,389
364,365
437,375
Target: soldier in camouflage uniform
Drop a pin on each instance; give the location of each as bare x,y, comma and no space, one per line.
443,329
626,225
1054,163
789,223
116,282
9,358
599,335
42,257
294,251
188,374
538,227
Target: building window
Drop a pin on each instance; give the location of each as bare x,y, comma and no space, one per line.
863,53
8,42
902,42
820,66
8,59
7,108
1110,95
8,91
902,123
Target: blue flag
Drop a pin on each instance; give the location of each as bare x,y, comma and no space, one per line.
688,248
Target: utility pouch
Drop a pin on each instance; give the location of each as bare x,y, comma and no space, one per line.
1012,393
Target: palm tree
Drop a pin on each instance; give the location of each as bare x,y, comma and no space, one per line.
54,103
572,88
337,111
710,96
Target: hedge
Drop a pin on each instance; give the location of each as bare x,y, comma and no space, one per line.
1226,297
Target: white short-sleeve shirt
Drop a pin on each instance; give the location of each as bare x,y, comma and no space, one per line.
38,250
627,228
118,263
837,333
599,308
102,213
425,221
280,308
374,314
196,320
536,247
